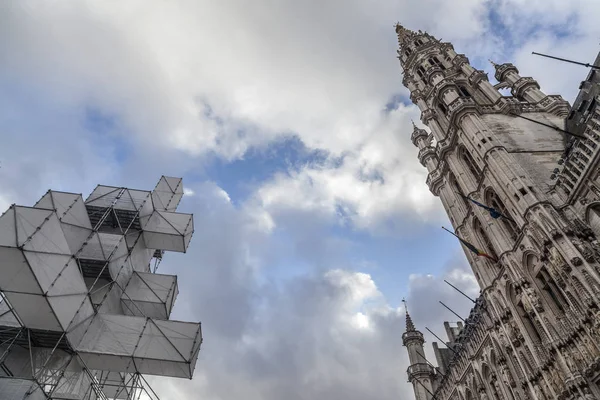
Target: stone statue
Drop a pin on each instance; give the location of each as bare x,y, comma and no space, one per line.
539,393
556,380
556,265
483,395
513,331
585,249
533,298
503,342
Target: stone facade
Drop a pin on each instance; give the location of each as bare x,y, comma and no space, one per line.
534,332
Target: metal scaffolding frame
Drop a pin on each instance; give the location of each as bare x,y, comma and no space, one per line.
82,313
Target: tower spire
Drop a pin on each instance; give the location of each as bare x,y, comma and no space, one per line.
410,326
402,33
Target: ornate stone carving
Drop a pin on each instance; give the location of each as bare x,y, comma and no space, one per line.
533,298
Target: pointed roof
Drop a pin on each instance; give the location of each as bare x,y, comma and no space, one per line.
410,326
402,33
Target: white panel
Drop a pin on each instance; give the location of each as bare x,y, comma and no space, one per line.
164,241
70,281
80,324
8,233
71,209
16,389
112,341
185,336
167,194
16,275
166,230
48,237
116,334
46,267
34,311
138,198
65,308
174,184
121,270
28,220
154,344
102,196
141,256
92,249
75,236
45,202
163,186
7,318
149,295
144,309
180,221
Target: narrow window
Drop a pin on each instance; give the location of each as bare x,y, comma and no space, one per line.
464,92
442,108
470,163
582,106
592,105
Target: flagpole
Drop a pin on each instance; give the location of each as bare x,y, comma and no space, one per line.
566,60
450,232
461,318
459,291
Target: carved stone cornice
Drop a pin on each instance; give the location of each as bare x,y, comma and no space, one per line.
459,60
425,153
416,95
477,76
522,84
501,71
427,115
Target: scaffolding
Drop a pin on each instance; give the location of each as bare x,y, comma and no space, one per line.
83,313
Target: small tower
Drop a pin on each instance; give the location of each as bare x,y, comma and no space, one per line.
420,374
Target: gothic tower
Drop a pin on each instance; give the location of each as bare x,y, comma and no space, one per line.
541,284
420,374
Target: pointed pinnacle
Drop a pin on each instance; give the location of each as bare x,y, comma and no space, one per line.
493,63
410,326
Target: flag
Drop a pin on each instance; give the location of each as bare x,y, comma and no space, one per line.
493,212
471,247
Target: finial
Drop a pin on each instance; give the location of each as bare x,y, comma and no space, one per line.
493,63
410,326
414,126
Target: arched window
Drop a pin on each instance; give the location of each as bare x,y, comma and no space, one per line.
545,283
492,200
435,62
483,238
594,220
470,163
418,42
421,72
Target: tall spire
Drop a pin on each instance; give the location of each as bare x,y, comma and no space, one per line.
410,326
402,33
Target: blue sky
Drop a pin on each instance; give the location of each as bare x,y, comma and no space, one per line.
291,129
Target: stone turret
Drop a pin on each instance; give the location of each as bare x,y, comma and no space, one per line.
420,373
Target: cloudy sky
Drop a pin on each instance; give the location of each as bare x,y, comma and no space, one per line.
290,126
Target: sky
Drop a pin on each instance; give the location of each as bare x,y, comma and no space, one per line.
290,126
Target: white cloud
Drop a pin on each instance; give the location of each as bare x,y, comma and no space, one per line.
189,79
